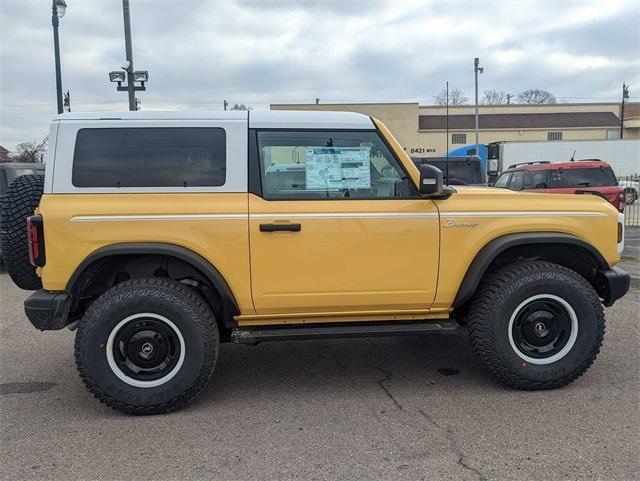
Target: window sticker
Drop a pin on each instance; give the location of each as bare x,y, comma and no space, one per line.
338,168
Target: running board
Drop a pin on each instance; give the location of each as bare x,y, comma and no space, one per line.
256,335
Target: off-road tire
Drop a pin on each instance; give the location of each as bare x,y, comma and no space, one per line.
501,293
21,199
187,310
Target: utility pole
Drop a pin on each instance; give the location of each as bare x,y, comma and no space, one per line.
447,132
55,22
477,69
129,54
625,95
129,74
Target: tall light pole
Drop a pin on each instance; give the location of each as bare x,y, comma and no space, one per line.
477,69
625,95
132,76
58,9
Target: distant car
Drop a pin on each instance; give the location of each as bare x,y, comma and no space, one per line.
631,190
456,170
575,177
9,171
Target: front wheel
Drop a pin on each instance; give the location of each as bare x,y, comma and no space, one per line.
147,346
630,196
536,325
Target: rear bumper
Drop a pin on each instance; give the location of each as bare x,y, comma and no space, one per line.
48,311
612,284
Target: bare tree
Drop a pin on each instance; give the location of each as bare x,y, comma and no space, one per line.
241,107
456,97
536,96
32,152
495,97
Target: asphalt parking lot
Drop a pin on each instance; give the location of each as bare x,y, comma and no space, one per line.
396,408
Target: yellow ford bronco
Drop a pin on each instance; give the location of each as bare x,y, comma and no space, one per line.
158,236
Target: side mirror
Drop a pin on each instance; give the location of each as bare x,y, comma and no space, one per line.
431,180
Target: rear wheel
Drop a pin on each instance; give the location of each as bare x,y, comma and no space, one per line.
21,199
147,346
536,325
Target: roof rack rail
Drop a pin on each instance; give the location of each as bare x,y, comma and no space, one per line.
529,163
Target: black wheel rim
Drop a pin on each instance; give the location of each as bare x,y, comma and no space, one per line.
146,349
542,328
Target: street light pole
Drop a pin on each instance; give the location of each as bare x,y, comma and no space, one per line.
625,95
129,54
477,69
55,22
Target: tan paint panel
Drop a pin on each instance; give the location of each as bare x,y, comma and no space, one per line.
362,255
497,212
76,225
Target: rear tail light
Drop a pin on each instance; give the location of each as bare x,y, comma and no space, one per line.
620,232
35,236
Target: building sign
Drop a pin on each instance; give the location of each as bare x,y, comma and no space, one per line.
422,150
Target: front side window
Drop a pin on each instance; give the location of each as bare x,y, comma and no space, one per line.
329,165
517,181
150,157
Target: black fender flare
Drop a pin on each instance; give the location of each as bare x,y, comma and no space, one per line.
494,248
196,260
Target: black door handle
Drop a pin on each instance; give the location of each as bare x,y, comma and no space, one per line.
280,227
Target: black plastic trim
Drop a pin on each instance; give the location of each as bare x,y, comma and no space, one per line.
612,284
48,311
489,252
196,260
255,181
255,335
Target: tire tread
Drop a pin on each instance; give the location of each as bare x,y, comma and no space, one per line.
494,290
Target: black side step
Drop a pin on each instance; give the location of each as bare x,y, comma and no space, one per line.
290,333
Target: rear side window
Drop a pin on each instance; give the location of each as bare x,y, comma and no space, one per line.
598,177
150,157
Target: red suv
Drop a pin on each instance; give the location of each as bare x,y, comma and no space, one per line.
575,177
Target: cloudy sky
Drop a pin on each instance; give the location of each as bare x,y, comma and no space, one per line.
200,52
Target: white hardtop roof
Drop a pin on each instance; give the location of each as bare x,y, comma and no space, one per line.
257,118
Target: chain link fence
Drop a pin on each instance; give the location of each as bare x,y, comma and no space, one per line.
631,186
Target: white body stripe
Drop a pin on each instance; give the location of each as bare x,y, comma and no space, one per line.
330,215
349,215
155,217
525,214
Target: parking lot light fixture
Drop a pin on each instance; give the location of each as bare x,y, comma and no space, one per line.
116,76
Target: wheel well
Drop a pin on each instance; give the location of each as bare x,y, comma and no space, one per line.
573,257
100,275
562,249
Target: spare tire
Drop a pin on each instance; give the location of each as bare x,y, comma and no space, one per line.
21,199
